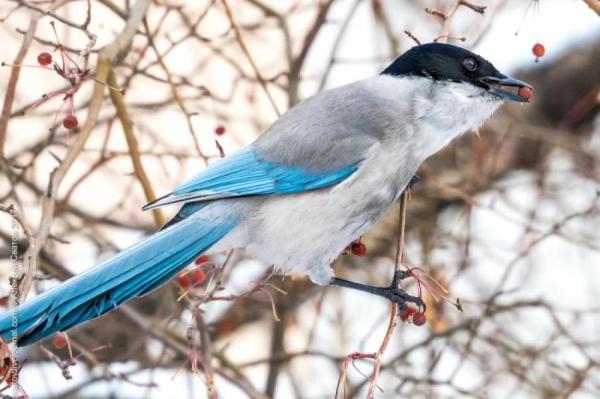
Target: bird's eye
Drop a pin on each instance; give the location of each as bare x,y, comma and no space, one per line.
470,64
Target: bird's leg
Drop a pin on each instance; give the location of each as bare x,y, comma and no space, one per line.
392,293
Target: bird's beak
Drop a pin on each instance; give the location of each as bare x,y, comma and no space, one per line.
498,86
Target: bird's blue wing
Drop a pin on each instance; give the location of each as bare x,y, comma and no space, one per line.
246,173
315,144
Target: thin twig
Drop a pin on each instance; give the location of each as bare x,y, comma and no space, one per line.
413,37
176,97
449,15
9,94
207,355
240,40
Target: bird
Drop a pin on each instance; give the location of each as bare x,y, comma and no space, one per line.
317,179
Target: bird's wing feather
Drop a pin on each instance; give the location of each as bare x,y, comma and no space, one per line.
244,173
316,144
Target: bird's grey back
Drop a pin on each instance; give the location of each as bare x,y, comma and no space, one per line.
330,130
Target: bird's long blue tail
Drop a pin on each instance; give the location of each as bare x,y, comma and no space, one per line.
133,272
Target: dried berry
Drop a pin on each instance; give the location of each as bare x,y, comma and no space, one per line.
538,50
419,319
59,341
44,59
525,92
70,121
358,249
220,130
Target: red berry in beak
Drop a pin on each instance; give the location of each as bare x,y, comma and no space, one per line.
358,249
538,50
419,319
525,92
44,59
70,121
220,130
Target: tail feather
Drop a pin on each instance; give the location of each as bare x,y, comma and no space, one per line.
133,272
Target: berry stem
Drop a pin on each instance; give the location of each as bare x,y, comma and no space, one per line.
71,104
57,112
117,89
25,66
42,100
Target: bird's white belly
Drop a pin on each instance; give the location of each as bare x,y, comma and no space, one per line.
304,233
307,232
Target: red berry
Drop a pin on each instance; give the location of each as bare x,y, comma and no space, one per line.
59,341
202,259
188,279
70,121
538,50
419,319
220,130
525,92
198,277
358,249
44,59
407,313
183,280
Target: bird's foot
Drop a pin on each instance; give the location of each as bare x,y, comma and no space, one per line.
401,298
393,293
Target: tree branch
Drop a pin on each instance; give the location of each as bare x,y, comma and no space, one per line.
138,167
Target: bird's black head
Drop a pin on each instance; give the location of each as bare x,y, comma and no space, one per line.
444,62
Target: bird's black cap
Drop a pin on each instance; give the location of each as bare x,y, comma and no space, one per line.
445,62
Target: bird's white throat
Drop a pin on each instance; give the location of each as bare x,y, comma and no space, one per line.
440,110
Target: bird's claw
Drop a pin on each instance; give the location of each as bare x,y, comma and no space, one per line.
398,295
401,298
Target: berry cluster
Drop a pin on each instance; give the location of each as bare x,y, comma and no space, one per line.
413,314
75,73
193,277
